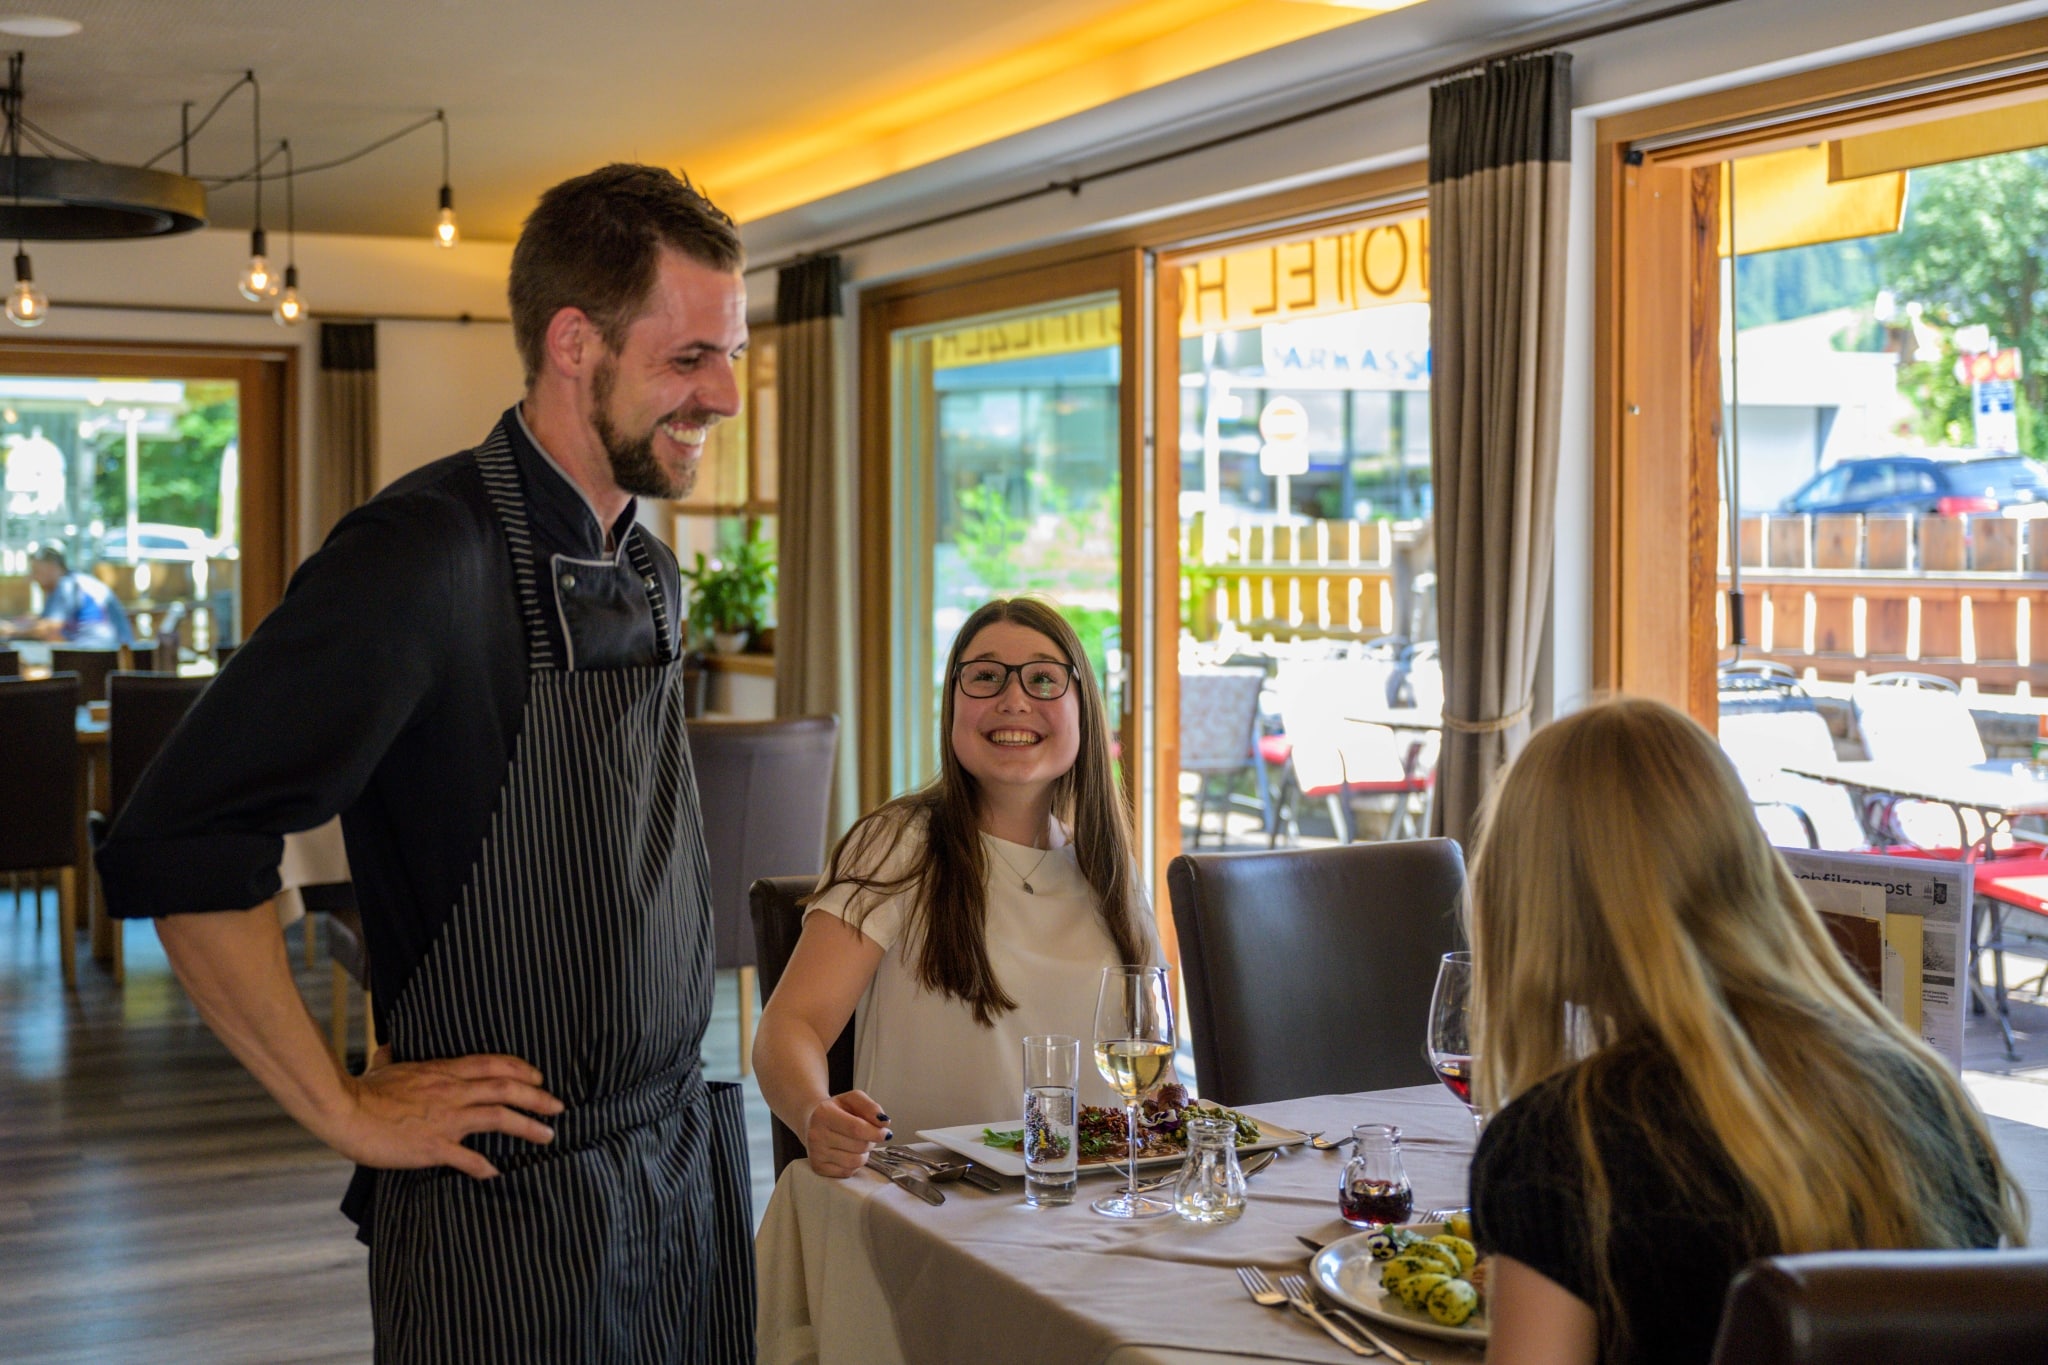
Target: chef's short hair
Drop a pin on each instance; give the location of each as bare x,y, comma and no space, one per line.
50,554
594,243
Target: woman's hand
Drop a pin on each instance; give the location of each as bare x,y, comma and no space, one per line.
841,1131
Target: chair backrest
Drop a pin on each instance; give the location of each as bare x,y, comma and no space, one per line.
1218,708
778,923
766,789
1887,1307
1309,971
10,662
93,666
1316,698
1762,742
1907,724
142,711
39,794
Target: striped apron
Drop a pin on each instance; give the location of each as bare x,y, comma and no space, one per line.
582,943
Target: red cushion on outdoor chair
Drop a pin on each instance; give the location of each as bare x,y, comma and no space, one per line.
1275,749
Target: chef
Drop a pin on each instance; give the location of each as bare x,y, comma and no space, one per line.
481,673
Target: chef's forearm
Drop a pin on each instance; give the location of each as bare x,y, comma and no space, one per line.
234,966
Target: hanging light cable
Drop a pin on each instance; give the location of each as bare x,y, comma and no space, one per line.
444,228
258,281
289,308
27,306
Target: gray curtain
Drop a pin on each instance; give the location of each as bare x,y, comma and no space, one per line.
815,569
345,453
1499,169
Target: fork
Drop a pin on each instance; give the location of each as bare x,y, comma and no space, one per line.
1299,1294
1263,1293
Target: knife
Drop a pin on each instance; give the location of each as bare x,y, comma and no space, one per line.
908,1180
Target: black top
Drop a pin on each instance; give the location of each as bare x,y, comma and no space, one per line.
1684,1230
388,688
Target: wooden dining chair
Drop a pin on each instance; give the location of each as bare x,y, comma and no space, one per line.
778,923
1309,971
93,667
39,803
765,788
1887,1308
350,954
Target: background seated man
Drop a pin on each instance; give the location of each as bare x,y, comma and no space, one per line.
78,609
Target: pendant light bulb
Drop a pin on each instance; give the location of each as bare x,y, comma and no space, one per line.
444,227
259,281
27,306
290,310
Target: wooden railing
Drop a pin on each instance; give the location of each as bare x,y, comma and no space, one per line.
1850,595
1310,579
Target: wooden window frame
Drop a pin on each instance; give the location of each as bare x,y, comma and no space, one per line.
1657,405
267,441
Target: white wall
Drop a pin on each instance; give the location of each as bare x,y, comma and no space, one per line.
440,388
1735,44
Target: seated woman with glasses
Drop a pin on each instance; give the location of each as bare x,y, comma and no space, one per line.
1684,1073
966,915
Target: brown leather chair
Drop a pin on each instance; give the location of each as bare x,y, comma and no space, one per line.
10,662
93,667
1309,971
142,710
765,788
778,923
1887,1308
39,797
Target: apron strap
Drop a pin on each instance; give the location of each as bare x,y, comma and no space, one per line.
501,480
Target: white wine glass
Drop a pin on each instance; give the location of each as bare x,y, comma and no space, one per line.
1134,1043
1450,1040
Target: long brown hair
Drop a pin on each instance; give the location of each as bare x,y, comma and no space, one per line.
946,927
1624,897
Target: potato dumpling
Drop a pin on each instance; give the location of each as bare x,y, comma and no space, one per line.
1452,1302
1466,1253
1459,1225
1414,1290
1445,1257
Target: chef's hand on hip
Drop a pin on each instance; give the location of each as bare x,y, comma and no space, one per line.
841,1131
407,1115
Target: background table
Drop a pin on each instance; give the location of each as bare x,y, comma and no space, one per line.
857,1272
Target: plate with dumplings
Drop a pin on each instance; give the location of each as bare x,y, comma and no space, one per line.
1420,1277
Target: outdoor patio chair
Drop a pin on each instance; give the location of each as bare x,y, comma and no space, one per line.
1794,810
1219,719
1918,720
1330,758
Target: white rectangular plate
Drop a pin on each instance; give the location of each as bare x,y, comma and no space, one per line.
966,1140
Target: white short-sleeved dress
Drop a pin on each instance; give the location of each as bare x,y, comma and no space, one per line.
920,1054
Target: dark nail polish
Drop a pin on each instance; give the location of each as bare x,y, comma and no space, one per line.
888,1136
881,1118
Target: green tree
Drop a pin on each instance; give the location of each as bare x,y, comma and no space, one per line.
1971,251
177,477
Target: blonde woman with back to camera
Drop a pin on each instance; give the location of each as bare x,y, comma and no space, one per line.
1684,1073
966,915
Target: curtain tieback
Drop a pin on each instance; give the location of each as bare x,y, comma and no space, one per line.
1488,727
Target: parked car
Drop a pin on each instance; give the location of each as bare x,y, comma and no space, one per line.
155,540
2012,484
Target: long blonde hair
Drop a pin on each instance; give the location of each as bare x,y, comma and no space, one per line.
948,885
1623,893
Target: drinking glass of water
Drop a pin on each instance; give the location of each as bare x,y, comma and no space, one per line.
1052,1076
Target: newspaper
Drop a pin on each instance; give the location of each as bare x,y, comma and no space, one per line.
1924,906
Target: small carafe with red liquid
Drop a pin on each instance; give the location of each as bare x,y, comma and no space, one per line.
1374,1190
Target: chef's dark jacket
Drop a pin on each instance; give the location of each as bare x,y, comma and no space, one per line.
387,688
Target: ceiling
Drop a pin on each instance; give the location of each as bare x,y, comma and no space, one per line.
770,104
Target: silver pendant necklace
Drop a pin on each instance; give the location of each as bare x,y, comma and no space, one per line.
1024,877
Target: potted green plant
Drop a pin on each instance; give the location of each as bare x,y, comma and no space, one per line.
729,600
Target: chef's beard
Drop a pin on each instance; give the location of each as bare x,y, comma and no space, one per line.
634,467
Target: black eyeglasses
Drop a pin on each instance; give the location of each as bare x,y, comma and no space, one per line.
1043,679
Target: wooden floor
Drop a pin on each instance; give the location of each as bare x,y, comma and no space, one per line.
155,1204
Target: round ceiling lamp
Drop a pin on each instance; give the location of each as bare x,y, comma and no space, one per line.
95,201
38,26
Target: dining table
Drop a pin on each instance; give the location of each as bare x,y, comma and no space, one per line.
858,1272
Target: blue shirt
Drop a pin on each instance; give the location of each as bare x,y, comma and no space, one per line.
91,616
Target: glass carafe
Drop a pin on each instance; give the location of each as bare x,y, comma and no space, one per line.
1374,1189
1211,1184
